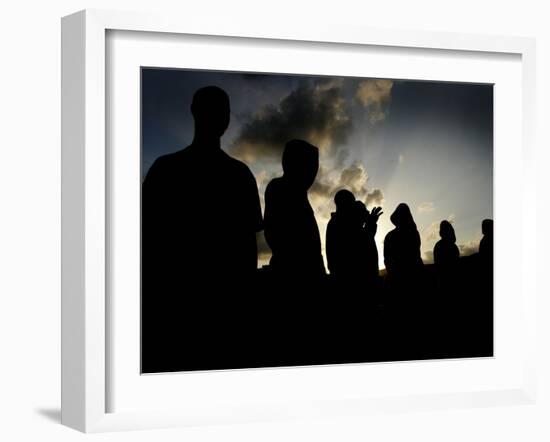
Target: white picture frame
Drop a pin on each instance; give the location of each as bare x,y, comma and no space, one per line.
85,202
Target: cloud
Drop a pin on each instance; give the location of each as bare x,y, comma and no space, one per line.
353,178
428,257
263,177
315,111
468,248
425,207
431,233
375,198
401,159
329,181
375,96
324,184
341,157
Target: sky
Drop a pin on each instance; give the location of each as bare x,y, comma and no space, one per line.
427,144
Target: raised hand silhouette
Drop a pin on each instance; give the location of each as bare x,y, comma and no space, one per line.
372,217
370,228
351,249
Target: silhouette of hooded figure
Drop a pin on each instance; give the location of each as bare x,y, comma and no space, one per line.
200,215
290,227
351,250
402,248
446,253
341,236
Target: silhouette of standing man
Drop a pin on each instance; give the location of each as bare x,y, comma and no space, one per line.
290,227
200,215
296,264
486,254
486,243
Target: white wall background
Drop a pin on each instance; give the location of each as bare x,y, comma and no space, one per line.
30,217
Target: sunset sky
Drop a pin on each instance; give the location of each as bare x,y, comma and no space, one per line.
427,144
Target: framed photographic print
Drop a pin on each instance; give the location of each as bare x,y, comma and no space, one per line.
284,257
270,223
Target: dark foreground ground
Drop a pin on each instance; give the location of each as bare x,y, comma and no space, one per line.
269,325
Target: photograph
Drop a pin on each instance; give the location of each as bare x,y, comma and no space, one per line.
298,220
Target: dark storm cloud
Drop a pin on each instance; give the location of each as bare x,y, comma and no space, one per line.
315,111
427,142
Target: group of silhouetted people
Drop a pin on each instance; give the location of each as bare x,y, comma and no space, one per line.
200,216
352,254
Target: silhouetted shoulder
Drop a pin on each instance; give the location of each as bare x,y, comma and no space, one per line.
163,165
276,194
156,168
274,185
390,236
239,166
189,153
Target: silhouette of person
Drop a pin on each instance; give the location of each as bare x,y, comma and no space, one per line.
369,229
341,236
352,254
290,227
446,253
483,305
402,250
200,215
486,243
446,259
485,255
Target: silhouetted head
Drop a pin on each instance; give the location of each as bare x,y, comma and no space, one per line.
344,201
447,231
300,163
210,109
487,227
361,212
402,217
